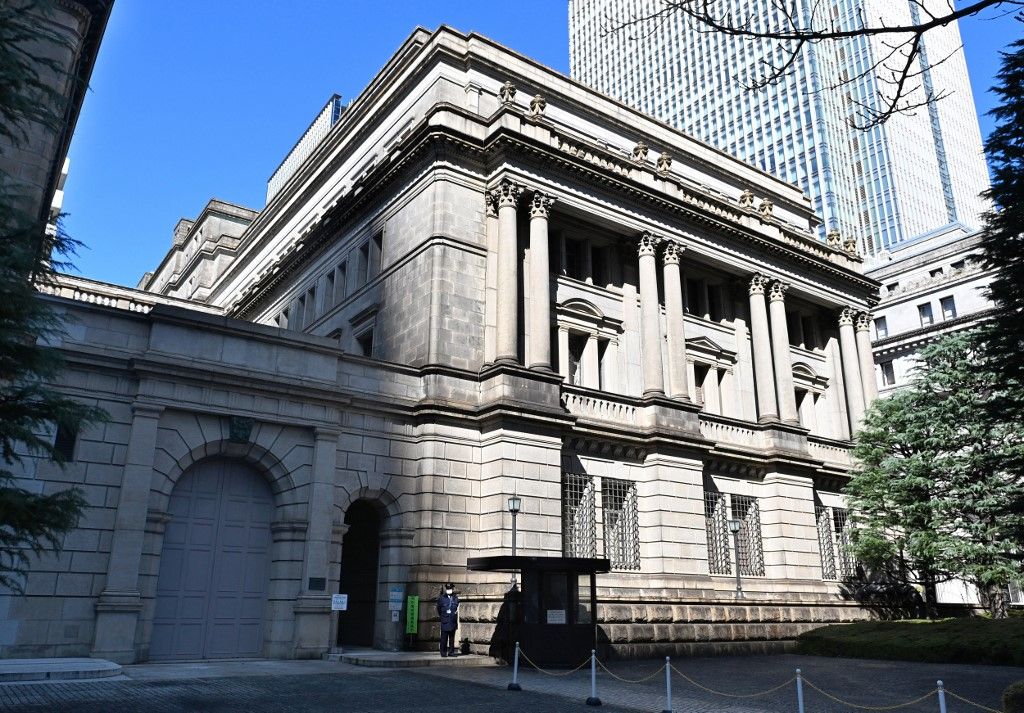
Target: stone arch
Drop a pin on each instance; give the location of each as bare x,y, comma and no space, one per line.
381,498
581,306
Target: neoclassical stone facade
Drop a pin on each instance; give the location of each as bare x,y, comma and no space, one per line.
475,285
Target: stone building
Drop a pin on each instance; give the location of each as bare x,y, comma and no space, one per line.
482,279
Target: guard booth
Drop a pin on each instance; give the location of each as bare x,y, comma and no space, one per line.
554,615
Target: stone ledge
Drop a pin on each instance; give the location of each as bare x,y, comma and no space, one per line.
67,669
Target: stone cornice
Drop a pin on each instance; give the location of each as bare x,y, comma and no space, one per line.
909,340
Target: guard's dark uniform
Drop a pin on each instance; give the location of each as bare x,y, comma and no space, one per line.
448,611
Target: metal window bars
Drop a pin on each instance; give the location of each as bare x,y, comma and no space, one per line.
825,541
845,563
579,517
751,555
716,522
837,562
621,524
718,508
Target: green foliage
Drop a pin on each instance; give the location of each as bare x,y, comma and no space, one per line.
932,496
1013,698
963,640
29,255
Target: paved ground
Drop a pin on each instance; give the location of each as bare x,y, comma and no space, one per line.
314,686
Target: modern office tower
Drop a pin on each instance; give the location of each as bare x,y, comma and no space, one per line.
914,174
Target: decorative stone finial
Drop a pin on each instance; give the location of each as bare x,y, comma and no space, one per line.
540,205
757,284
673,251
747,199
850,246
862,321
506,194
639,152
507,93
833,239
766,208
664,163
537,106
648,243
847,316
777,291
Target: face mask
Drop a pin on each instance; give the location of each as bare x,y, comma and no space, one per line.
448,591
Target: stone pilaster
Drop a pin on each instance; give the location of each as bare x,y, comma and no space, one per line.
677,386
650,319
851,368
117,611
491,279
862,327
780,352
506,196
764,377
540,287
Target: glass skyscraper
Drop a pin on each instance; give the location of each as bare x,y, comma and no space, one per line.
911,175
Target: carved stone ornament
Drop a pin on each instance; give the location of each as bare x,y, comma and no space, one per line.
777,291
673,251
664,163
491,203
540,205
766,208
506,194
507,93
833,239
537,106
240,429
847,316
850,246
862,321
639,152
648,243
747,199
757,284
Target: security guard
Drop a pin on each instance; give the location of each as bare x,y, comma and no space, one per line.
448,612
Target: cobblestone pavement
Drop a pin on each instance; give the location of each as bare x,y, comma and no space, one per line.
862,682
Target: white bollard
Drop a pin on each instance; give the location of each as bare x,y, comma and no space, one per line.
942,697
514,686
593,700
668,686
799,692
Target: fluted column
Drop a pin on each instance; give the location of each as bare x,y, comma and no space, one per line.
764,377
862,326
780,352
540,288
851,367
506,195
650,321
677,387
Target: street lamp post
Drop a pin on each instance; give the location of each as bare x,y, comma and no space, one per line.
514,503
734,528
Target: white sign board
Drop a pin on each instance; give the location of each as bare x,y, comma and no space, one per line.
396,595
556,616
394,615
339,602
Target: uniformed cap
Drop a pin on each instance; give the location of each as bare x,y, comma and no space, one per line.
449,585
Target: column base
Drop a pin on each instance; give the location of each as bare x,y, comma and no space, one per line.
312,626
117,618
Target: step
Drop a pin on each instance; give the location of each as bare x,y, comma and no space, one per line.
407,659
69,669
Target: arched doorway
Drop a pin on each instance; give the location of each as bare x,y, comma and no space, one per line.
360,554
211,593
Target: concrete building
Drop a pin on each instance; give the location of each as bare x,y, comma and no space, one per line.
909,176
484,279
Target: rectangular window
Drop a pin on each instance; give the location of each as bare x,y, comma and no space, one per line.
888,374
577,344
715,302
374,249
881,328
579,515
719,508
64,443
365,342
329,292
924,311
362,265
574,259
837,561
341,283
621,523
599,265
948,307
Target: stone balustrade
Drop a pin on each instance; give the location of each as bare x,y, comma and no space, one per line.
596,406
107,295
829,452
722,429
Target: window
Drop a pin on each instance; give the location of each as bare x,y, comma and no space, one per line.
365,342
329,292
579,535
924,311
834,542
599,266
64,442
374,248
948,307
362,265
621,524
718,509
341,283
574,259
881,328
618,514
577,345
888,374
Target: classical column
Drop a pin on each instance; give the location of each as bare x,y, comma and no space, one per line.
120,602
764,378
851,367
677,387
650,319
490,279
862,326
506,195
540,288
563,352
780,352
712,395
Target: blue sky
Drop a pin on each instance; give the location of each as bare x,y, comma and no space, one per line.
200,98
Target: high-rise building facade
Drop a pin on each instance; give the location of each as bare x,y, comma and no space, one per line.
911,175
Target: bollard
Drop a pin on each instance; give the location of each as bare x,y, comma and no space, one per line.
593,700
668,686
514,686
799,692
942,697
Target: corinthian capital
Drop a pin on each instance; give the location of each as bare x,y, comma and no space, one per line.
648,242
506,194
757,284
847,316
540,205
673,251
777,291
862,321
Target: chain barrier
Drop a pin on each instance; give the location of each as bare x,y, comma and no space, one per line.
926,696
629,680
734,695
559,674
972,703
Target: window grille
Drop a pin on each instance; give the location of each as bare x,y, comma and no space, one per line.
579,534
834,543
715,520
621,529
828,557
718,508
845,563
1016,594
751,556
